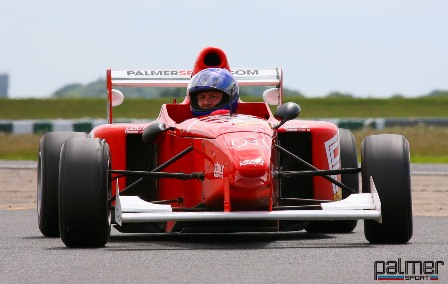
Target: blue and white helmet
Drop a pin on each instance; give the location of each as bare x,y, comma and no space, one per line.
213,79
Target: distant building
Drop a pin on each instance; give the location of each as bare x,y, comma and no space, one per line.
4,80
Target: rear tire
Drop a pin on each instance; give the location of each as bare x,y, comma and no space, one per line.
349,159
47,180
385,158
84,193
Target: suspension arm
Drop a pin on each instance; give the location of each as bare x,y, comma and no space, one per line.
313,168
181,176
287,174
159,168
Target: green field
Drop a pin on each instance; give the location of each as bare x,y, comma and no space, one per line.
145,108
428,144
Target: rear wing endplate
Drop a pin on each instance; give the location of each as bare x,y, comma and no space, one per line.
180,77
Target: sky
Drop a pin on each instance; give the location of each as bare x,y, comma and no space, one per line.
365,48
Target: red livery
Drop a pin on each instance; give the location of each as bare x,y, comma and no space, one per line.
246,169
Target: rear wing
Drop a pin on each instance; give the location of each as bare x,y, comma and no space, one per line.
180,77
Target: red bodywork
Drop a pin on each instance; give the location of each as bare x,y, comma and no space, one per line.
235,153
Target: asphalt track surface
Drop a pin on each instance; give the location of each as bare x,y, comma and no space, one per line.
298,257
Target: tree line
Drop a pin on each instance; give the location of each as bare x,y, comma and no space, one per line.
97,89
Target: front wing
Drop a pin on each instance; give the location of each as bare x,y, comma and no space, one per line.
132,209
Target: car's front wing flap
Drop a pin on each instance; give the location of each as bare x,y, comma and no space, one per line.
132,209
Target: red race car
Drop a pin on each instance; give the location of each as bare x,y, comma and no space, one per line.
244,169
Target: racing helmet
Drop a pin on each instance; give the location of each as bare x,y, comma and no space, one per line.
212,79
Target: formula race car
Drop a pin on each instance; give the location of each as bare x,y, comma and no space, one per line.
246,170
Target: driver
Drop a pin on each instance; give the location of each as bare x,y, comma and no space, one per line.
210,90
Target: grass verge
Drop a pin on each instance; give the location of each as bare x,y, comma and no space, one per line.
428,144
140,108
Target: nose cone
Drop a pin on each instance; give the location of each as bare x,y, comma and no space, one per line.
250,154
251,164
250,184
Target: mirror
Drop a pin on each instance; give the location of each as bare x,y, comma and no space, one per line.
151,131
117,97
272,96
286,112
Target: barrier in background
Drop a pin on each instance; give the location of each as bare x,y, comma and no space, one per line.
86,125
42,126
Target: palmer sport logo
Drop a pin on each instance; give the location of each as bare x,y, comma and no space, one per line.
159,72
413,270
184,73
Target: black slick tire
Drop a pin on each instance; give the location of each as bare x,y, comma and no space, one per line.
385,158
47,180
84,193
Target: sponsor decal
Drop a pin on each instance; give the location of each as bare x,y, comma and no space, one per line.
258,161
159,72
413,270
134,129
218,171
332,150
244,142
239,120
174,73
301,127
242,72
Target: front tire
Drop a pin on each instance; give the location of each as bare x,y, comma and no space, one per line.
47,180
84,193
385,158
